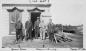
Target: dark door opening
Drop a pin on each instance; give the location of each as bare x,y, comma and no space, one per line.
34,16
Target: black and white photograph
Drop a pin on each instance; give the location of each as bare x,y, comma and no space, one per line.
42,23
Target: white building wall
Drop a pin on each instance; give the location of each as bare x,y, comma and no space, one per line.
46,15
4,22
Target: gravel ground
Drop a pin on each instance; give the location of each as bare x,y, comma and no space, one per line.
9,41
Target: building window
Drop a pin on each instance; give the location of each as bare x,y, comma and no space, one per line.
14,15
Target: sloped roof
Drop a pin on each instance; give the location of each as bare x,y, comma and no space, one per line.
36,9
11,10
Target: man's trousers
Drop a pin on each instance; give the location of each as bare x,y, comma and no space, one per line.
19,34
42,33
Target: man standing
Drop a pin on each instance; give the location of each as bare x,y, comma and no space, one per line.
28,27
50,30
36,27
18,27
42,30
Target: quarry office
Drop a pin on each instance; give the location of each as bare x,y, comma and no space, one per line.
25,11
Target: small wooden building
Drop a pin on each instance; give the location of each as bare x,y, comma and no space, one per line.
24,11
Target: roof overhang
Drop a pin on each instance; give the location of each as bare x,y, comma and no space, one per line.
11,10
35,10
26,5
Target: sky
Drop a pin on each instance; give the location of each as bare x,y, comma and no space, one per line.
68,11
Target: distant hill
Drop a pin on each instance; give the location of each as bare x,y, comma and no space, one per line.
70,29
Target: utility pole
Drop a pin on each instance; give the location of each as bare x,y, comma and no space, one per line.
62,31
62,28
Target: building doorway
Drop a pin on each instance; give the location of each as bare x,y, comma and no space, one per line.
34,17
